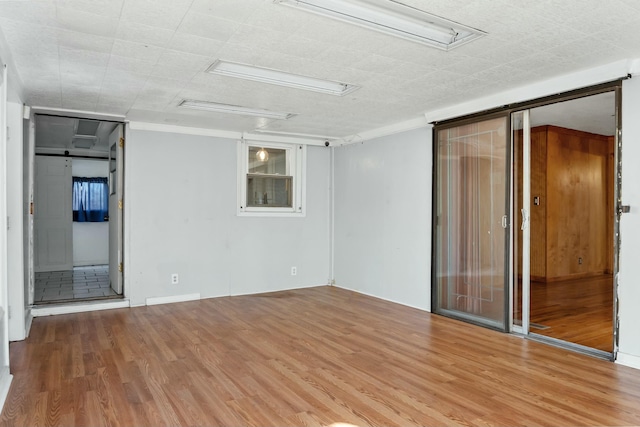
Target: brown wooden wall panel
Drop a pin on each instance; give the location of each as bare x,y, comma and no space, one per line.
578,198
610,202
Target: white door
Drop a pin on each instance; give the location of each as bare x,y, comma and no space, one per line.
116,149
53,215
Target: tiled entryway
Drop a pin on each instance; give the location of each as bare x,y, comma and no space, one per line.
81,283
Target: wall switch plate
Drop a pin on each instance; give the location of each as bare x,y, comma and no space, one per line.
174,279
294,271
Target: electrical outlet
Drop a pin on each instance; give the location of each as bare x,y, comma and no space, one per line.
580,260
294,271
174,279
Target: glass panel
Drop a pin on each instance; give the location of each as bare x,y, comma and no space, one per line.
470,238
269,191
271,161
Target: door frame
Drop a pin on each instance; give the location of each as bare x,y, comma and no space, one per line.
435,293
524,329
614,85
29,237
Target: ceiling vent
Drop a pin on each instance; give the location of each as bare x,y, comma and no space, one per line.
87,127
85,142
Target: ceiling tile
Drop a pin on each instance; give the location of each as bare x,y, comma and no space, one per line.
124,100
44,71
258,38
285,19
44,98
123,81
177,72
143,34
147,54
84,57
196,45
301,47
85,94
81,74
232,10
32,12
24,37
130,64
160,89
156,13
76,40
171,58
107,8
207,26
140,51
85,22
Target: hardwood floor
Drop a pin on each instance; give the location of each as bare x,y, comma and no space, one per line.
579,311
304,357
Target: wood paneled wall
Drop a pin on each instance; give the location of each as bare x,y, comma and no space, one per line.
572,174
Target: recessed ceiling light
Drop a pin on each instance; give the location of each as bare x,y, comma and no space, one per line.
234,109
393,18
275,77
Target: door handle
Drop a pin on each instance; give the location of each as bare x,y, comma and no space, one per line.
525,219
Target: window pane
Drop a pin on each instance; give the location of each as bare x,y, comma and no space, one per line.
269,191
271,161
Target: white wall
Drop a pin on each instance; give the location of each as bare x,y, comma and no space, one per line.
180,217
90,239
383,217
629,290
15,213
5,376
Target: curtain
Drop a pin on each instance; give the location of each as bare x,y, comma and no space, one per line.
90,199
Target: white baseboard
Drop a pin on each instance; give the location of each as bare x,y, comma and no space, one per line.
5,383
406,304
628,360
52,310
172,299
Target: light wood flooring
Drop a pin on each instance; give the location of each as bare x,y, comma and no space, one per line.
304,357
579,311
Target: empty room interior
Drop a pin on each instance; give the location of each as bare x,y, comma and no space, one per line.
319,212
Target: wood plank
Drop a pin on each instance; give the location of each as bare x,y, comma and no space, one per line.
261,360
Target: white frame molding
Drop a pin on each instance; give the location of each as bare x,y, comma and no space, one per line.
296,165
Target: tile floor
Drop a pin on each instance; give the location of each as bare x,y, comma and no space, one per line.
81,283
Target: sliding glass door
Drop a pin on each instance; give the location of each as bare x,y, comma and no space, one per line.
565,241
471,220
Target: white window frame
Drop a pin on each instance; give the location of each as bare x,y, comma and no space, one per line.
296,168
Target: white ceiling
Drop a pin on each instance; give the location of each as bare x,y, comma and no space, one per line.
59,132
139,58
594,114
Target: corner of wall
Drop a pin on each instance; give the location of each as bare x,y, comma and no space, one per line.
5,383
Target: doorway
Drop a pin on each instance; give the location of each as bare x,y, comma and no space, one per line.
78,171
564,251
526,218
